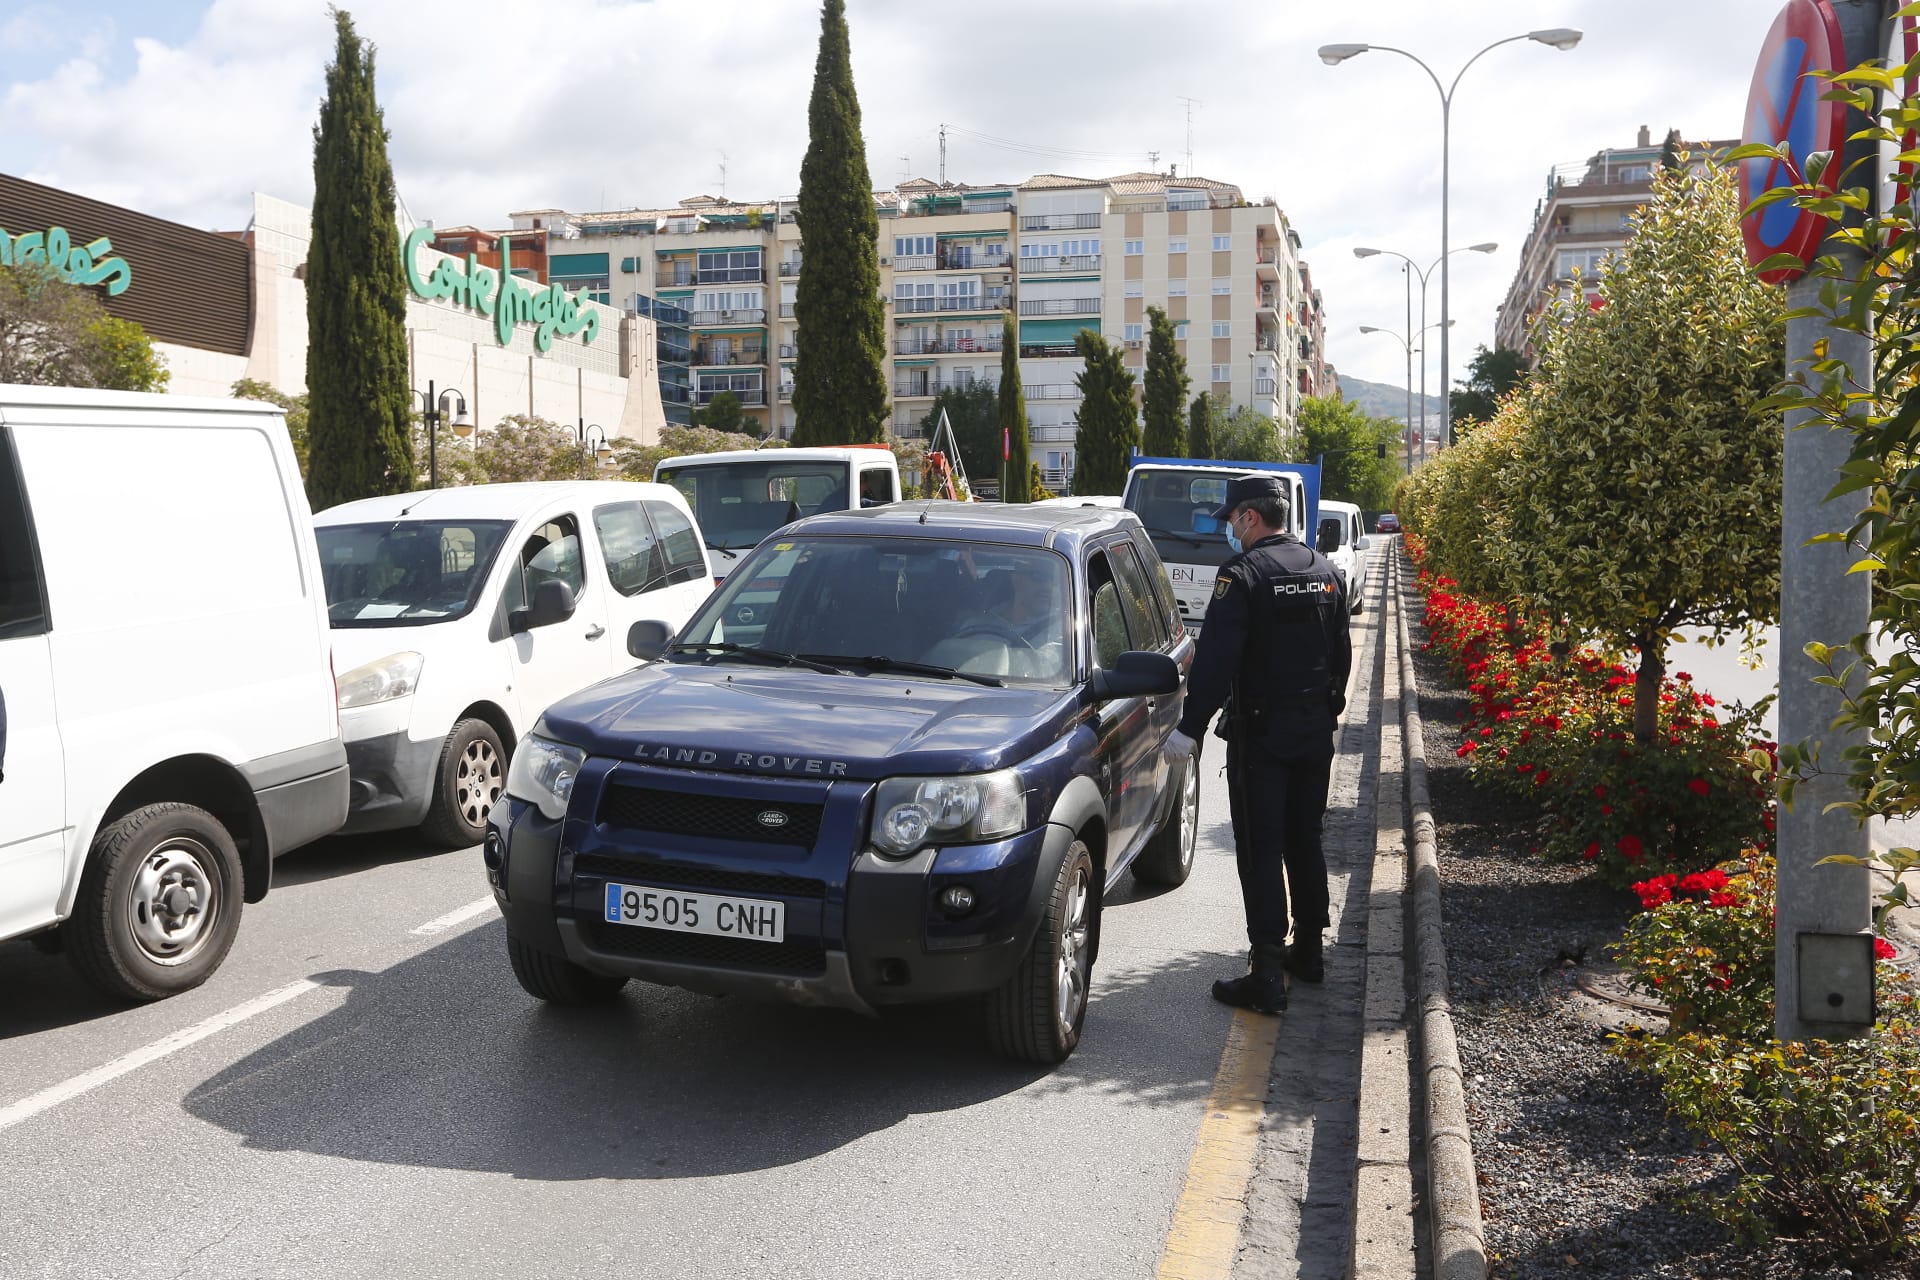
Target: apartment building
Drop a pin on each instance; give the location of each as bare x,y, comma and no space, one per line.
1585,215
1058,253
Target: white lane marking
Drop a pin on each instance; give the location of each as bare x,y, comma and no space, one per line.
459,916
48,1098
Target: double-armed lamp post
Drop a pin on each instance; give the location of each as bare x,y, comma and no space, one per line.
1408,342
1413,269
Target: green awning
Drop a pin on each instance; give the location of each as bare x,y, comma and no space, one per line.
568,265
1053,332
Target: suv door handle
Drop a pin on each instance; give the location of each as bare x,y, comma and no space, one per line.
596,632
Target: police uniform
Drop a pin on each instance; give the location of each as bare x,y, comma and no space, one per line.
1274,653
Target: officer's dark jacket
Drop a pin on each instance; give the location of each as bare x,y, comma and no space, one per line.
1275,639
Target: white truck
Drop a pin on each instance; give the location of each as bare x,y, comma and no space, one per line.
741,496
1175,499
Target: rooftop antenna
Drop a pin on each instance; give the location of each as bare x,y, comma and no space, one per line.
943,155
1153,161
723,176
906,167
1191,104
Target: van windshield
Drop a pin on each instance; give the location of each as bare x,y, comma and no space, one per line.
1177,509
407,572
738,503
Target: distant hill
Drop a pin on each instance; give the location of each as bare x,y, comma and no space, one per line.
1385,400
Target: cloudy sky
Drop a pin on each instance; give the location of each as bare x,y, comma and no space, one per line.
181,108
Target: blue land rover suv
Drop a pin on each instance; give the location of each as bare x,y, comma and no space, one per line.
898,757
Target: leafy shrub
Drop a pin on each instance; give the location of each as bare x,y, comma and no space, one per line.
1704,947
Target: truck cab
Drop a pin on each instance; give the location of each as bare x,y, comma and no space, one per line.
740,496
1175,498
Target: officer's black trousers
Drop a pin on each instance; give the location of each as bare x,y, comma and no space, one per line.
1277,807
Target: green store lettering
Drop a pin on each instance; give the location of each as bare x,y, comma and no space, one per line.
85,264
500,295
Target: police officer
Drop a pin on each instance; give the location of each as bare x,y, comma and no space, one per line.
1274,651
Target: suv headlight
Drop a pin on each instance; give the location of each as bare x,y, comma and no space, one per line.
394,676
910,812
542,774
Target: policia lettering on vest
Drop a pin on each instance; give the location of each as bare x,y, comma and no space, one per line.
1274,653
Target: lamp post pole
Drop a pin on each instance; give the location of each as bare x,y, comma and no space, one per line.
1562,38
1414,269
431,414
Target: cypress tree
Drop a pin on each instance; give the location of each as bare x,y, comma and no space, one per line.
359,405
1013,419
1106,429
1200,441
1166,389
839,377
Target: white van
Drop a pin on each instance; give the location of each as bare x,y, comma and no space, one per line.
168,722
1341,540
741,495
459,615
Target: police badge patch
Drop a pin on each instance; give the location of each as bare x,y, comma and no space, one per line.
1220,585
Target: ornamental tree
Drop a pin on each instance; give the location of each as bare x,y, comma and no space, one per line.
1165,391
1012,405
1349,440
359,402
1106,428
974,412
1649,499
53,333
1490,376
1200,427
839,379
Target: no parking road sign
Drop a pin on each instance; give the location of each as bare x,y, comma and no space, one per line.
1784,107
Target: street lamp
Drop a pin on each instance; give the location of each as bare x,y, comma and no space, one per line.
435,402
1562,38
585,433
1413,268
1419,339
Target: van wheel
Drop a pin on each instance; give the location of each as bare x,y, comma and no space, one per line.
471,775
159,903
1168,857
558,980
1037,1014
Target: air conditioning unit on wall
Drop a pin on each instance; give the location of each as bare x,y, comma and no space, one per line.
886,262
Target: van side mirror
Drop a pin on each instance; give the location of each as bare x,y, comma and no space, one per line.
648,639
1137,673
552,602
1363,543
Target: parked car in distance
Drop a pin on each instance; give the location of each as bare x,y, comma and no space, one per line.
459,614
1339,539
1387,523
907,772
168,720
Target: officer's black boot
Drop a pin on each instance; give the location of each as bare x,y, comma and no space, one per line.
1304,960
1264,990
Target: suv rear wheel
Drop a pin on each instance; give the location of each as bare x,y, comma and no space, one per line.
1168,857
1036,1016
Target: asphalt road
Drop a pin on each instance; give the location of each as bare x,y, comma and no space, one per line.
351,1096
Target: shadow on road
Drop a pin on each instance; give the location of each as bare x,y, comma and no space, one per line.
344,855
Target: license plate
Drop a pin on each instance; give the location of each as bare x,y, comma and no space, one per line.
677,911
1193,628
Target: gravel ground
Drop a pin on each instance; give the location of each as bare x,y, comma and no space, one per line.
1580,1168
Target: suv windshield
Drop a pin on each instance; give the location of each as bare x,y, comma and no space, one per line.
970,607
739,503
406,572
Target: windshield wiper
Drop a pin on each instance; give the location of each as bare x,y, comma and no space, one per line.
881,662
758,654
729,552
1192,539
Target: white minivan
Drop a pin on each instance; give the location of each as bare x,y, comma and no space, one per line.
459,615
1340,540
167,723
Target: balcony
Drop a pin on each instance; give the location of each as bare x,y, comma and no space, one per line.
1266,387
956,302
672,274
1077,263
944,346
788,351
1266,264
739,315
1051,391
1061,307
1052,435
667,354
755,396
786,310
965,261
914,262
786,392
789,269
730,275
719,355
673,393
1270,301
1049,351
1060,222
922,388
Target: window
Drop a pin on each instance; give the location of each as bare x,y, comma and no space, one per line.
1222,286
1131,333
716,266
1223,328
876,487
1109,622
728,299
1180,331
1177,246
629,548
684,562
1223,373
1636,173
1145,623
1136,247
1223,244
912,246
551,554
1176,288
1587,261
23,604
1136,289
994,250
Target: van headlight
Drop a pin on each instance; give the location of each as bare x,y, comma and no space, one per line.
395,676
911,812
542,774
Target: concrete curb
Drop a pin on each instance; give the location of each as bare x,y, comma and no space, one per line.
1453,1189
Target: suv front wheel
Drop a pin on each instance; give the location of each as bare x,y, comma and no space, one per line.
1036,1016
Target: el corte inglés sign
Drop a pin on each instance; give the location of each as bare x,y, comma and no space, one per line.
85,264
500,296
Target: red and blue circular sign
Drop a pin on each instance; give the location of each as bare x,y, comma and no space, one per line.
1784,107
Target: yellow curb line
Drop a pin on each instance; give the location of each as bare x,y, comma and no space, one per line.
1205,1234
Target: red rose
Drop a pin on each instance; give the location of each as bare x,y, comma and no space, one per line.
1630,848
1599,792
1698,786
1467,748
1592,851
1883,949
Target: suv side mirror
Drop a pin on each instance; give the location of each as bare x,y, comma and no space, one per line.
552,602
1137,673
648,639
